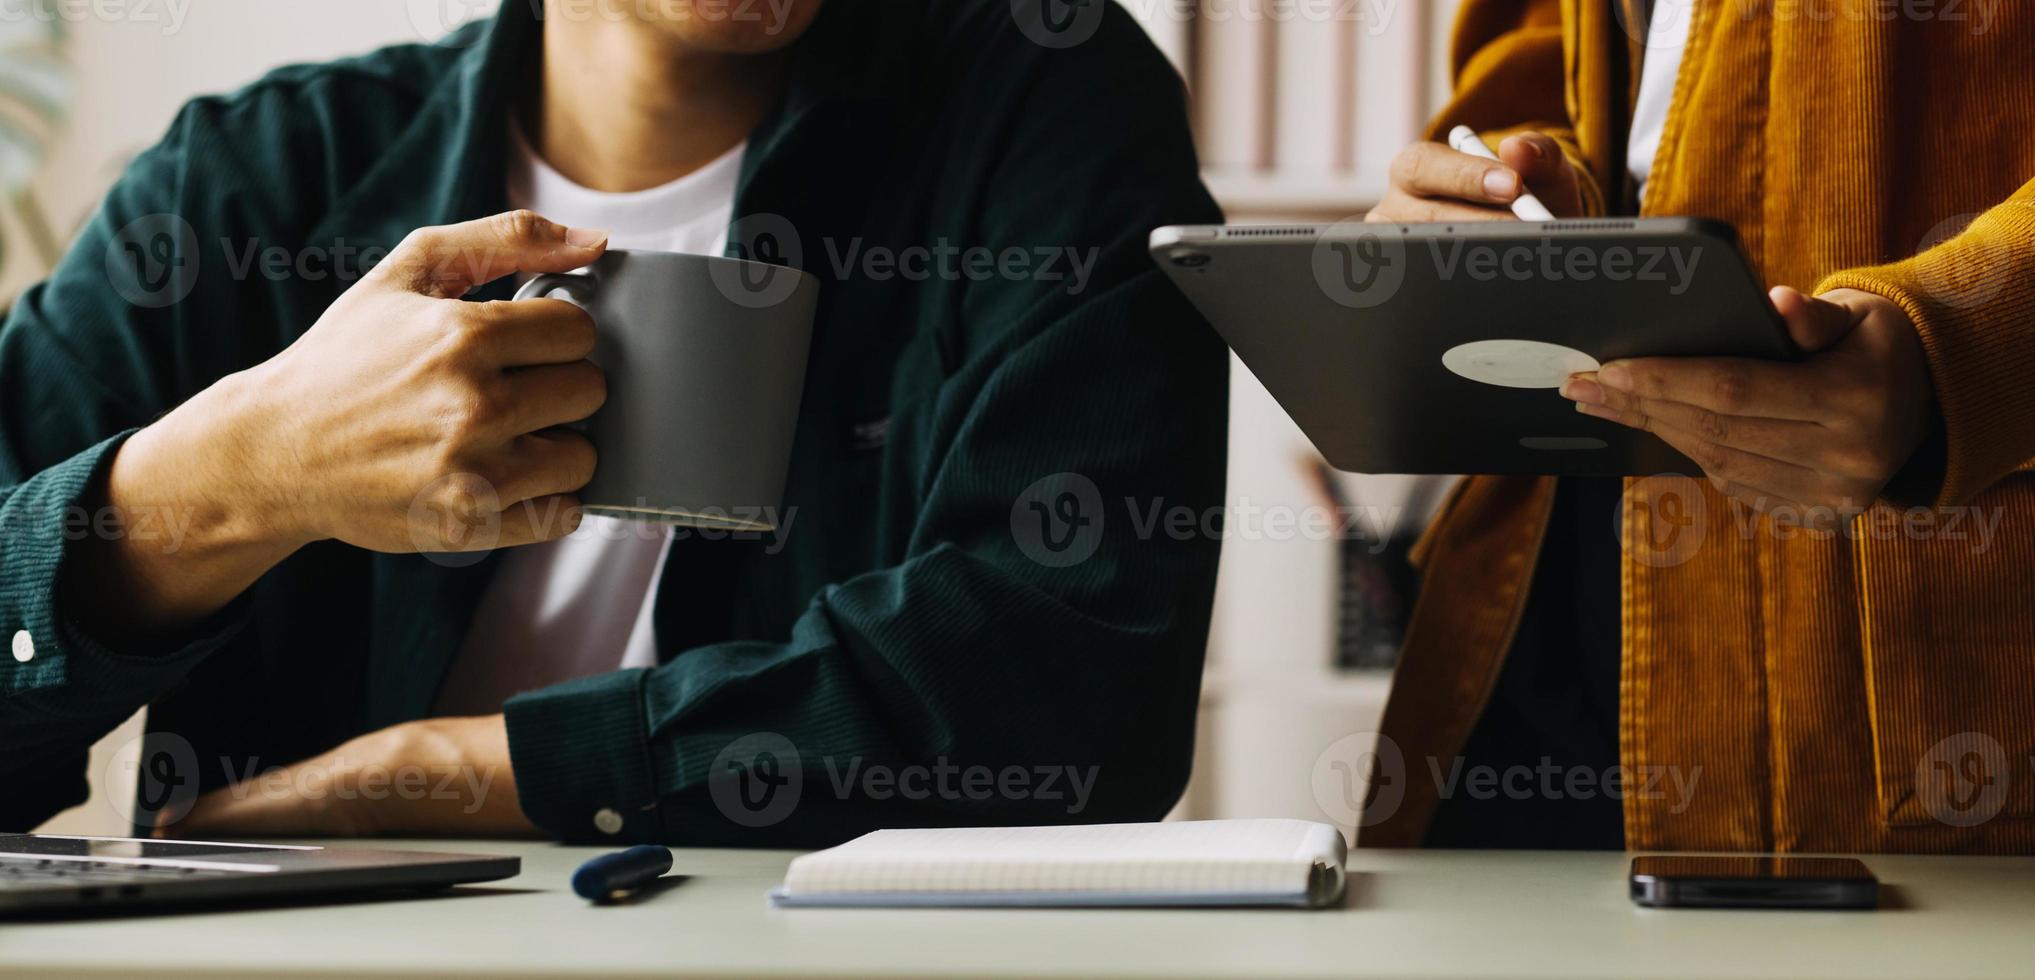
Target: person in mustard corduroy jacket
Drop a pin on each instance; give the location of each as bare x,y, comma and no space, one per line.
1829,645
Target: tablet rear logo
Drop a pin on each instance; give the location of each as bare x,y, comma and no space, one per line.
1517,363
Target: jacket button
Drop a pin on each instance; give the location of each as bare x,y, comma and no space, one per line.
606,820
24,647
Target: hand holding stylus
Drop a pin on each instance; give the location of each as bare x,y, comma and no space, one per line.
1434,182
1525,207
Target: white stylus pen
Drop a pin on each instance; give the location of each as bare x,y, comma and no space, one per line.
1526,206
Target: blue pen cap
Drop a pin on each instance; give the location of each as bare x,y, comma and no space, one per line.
622,871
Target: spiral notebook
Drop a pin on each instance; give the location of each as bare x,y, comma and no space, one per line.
1189,863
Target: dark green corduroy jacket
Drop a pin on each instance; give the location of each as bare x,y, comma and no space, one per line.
931,605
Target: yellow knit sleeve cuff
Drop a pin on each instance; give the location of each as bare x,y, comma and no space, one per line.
1972,299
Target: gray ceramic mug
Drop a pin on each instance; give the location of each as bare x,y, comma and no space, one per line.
705,360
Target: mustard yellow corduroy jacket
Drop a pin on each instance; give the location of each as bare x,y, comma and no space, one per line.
1872,690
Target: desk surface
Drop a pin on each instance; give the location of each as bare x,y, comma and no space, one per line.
1409,914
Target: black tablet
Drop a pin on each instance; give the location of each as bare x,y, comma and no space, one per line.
1438,348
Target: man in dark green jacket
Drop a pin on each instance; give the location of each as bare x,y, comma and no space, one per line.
210,475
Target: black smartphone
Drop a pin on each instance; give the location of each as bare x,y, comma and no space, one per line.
1753,882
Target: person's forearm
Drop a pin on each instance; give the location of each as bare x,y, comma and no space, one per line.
436,777
182,523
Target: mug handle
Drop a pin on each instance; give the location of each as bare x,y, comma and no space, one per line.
579,288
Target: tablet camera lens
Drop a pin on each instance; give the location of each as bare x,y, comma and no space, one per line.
1189,259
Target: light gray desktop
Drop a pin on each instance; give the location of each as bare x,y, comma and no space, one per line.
1408,914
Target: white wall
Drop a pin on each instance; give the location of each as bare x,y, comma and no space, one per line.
134,71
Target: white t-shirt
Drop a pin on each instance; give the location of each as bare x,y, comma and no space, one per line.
1667,33
582,605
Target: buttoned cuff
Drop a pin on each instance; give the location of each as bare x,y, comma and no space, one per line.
581,752
50,645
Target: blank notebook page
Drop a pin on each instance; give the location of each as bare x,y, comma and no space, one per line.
1230,857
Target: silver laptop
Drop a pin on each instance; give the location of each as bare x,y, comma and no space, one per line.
42,874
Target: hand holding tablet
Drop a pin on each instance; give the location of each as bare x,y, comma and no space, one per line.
1823,437
1432,349
1439,348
